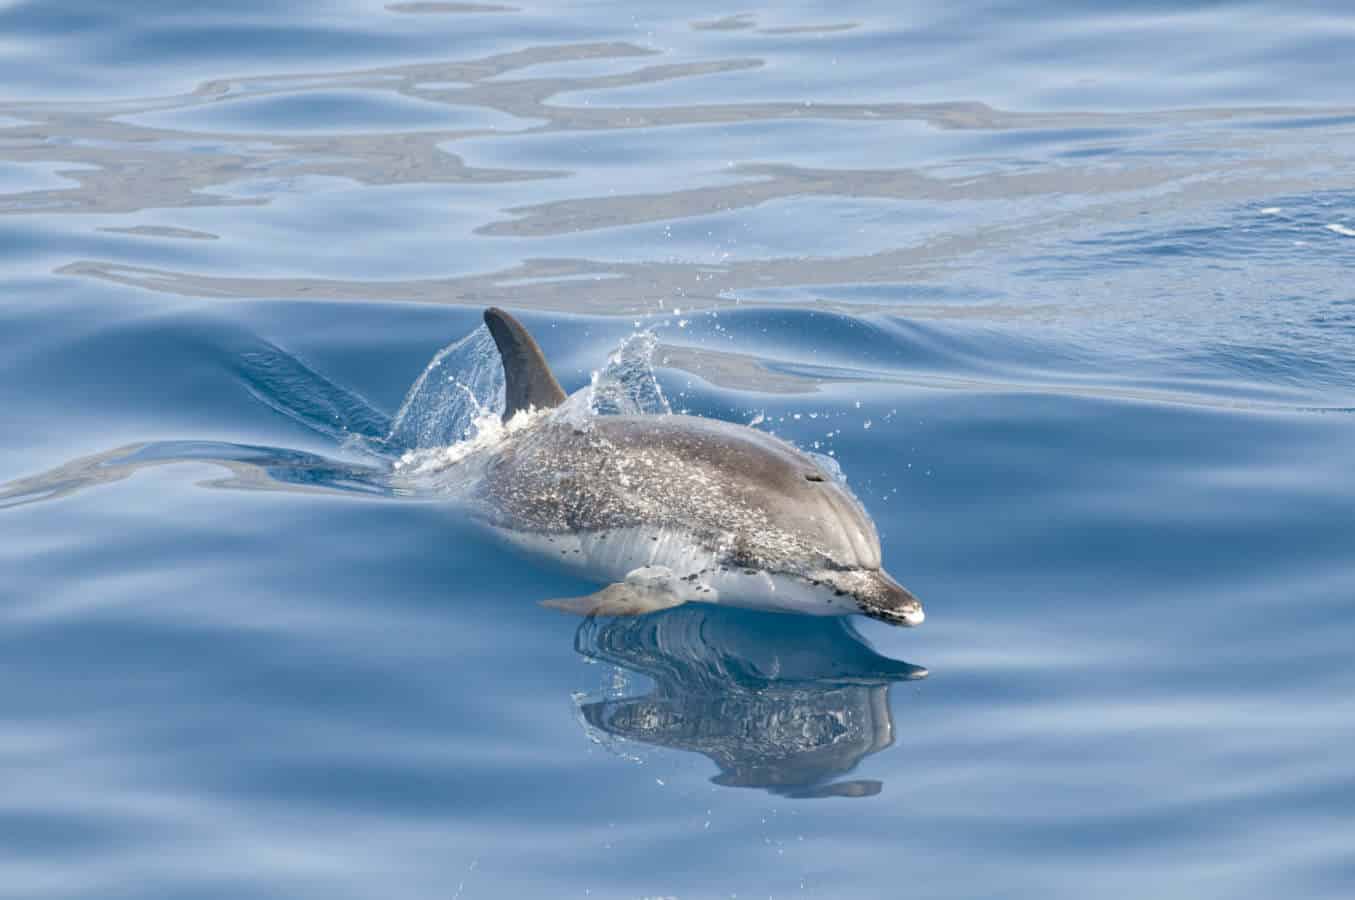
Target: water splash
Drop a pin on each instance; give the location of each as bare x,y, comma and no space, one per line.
461,388
453,413
484,433
626,386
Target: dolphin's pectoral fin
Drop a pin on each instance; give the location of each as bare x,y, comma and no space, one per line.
645,590
617,600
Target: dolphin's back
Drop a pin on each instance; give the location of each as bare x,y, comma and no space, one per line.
754,498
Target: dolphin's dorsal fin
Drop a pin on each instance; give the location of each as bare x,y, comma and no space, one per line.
528,380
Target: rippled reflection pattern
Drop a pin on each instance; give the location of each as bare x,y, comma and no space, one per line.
780,702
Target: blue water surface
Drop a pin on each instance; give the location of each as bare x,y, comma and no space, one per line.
1067,290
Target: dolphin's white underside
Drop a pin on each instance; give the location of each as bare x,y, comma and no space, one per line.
621,554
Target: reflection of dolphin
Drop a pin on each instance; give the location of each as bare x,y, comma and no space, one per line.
785,703
672,508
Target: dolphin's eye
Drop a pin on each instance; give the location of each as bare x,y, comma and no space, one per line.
813,476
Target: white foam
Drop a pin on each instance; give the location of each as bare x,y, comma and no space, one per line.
1341,229
489,431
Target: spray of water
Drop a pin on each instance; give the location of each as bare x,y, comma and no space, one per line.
462,387
626,386
453,412
485,432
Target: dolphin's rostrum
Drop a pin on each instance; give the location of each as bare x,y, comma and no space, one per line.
673,508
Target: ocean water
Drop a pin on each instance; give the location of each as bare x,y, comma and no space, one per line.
1067,291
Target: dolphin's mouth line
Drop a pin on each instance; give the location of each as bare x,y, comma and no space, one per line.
907,618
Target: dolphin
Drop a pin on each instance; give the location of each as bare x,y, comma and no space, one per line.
669,509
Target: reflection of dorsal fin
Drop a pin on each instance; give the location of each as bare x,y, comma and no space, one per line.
528,380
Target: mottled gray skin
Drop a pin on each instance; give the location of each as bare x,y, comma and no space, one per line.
752,501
